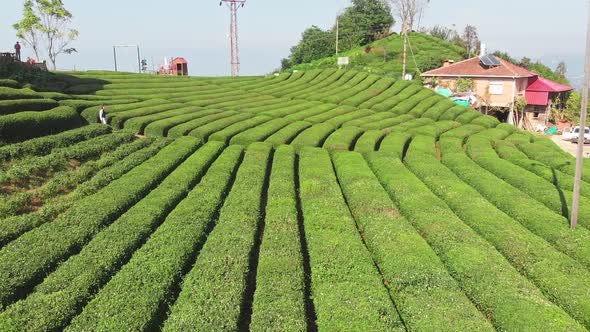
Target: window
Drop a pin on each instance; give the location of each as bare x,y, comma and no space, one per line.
496,87
536,115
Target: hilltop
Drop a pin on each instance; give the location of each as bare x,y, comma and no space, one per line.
426,52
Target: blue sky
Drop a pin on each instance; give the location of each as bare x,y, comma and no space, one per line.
198,30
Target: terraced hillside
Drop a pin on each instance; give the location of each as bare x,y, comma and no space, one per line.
321,200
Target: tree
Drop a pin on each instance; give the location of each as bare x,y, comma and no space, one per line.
525,63
363,23
49,19
28,28
315,44
443,33
407,11
561,69
471,39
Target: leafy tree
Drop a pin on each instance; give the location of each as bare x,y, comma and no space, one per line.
363,23
49,19
525,63
29,27
315,44
505,56
443,33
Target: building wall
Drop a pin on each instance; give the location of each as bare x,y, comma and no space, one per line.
482,88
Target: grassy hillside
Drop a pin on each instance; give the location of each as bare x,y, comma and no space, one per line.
322,200
428,52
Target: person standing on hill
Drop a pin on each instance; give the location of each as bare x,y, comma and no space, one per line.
17,50
102,115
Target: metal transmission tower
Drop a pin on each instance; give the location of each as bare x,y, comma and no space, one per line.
234,5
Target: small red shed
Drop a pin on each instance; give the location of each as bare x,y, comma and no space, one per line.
179,67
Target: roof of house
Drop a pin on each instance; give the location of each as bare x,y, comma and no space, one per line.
539,89
474,68
179,60
542,84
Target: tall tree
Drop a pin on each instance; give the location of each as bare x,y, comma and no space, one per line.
364,22
471,39
47,20
55,20
561,69
315,44
29,27
408,11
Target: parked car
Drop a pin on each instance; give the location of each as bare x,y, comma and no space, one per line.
572,135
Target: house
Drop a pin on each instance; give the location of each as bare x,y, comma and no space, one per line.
177,67
498,85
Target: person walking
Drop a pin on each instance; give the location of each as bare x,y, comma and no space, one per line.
102,115
17,50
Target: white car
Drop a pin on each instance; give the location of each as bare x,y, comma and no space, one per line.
573,134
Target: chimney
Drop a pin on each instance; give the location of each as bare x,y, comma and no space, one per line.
447,63
483,50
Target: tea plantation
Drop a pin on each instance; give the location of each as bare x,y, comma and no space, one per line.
320,200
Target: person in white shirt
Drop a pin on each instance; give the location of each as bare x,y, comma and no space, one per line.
102,115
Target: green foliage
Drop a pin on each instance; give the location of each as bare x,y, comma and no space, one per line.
315,44
363,23
23,125
464,84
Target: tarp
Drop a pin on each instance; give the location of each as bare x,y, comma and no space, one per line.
444,92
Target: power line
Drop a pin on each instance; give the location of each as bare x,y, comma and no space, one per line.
233,6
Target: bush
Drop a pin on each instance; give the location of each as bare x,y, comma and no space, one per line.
23,125
213,291
369,141
416,277
347,288
343,138
482,272
24,105
44,247
287,133
44,145
313,136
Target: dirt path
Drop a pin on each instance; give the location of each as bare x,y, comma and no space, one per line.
570,147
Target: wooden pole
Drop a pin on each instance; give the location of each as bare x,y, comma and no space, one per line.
405,35
583,113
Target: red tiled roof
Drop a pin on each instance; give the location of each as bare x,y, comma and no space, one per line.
542,84
474,68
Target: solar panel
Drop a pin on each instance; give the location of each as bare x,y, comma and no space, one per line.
490,61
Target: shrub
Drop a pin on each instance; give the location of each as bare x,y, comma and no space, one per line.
343,138
416,277
347,289
287,133
213,291
51,243
23,125
313,136
24,105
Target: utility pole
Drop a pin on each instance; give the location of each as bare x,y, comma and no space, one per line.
580,152
337,33
233,6
124,46
405,36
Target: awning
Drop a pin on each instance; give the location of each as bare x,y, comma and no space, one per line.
538,98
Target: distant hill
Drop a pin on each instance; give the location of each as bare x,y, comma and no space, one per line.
427,52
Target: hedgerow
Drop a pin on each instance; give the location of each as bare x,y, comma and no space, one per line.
351,91
118,119
388,122
483,274
417,104
436,129
535,216
287,133
396,144
406,126
374,90
203,132
25,125
345,78
44,145
225,134
369,141
74,282
346,287
392,91
176,127
341,119
390,103
12,93
313,136
453,113
487,121
162,261
91,113
343,138
416,277
556,274
49,243
214,291
560,201
464,131
260,132
335,77
320,81
59,158
138,124
26,105
468,117
370,119
306,114
279,299
334,89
